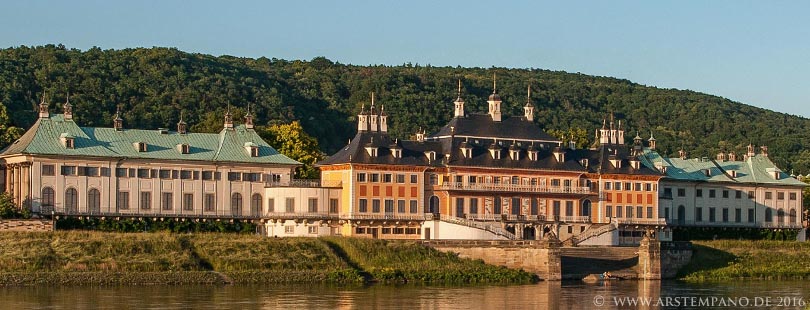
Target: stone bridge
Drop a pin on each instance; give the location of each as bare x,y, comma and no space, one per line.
551,261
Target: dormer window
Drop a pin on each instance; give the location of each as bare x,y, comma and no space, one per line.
140,146
466,152
397,153
372,151
495,152
533,155
183,148
635,164
617,163
514,154
707,172
67,140
774,173
584,162
431,155
733,173
559,156
252,149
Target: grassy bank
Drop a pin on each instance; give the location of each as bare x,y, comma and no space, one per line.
80,257
732,259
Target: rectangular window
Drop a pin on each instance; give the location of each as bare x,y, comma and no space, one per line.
185,174
312,205
473,205
387,178
271,205
414,208
725,215
780,195
153,173
627,186
738,194
698,193
209,203
699,214
122,201
374,177
792,196
609,211
401,206
68,170
618,211
289,229
165,174
333,205
400,178
648,187
751,195
252,177
196,175
555,182
629,213
667,192
166,201
289,205
414,179
712,215
460,207
607,185
569,208
375,206
534,206
146,200
175,174
132,172
207,175
725,194
363,205
234,176
712,193
121,172
750,215
48,170
638,187
639,212
188,202
556,207
738,215
143,173
768,195
681,192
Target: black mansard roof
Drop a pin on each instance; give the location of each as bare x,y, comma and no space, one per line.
482,126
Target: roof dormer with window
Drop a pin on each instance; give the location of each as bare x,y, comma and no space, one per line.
252,149
67,140
140,146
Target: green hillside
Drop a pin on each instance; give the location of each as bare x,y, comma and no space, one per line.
153,84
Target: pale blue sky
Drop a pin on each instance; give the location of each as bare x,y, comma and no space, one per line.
756,52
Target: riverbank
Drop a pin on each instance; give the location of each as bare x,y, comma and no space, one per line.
740,259
99,258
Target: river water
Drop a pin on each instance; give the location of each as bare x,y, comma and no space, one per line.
545,295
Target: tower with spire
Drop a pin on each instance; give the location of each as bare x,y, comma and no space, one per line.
528,109
383,119
43,107
373,116
248,118
228,118
458,111
181,125
68,109
494,101
362,119
118,122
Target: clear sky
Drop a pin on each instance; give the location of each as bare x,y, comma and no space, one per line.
755,52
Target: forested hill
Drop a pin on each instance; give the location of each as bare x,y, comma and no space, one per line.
153,84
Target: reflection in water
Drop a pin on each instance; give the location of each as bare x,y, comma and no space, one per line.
545,295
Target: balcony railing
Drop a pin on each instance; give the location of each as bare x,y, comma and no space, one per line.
642,221
575,219
501,187
300,215
391,217
507,217
306,183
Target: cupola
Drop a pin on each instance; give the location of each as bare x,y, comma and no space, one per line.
458,105
43,107
494,101
68,109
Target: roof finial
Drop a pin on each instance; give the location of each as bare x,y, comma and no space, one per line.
494,83
43,97
372,99
459,88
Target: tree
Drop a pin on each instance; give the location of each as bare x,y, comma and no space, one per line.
8,133
8,209
291,140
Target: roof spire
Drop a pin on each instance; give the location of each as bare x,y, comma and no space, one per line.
43,107
118,122
248,118
459,88
181,125
68,108
494,83
228,118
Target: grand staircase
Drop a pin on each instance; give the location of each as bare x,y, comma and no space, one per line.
493,227
592,232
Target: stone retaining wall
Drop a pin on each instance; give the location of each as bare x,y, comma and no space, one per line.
26,225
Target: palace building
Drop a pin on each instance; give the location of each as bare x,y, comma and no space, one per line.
481,176
58,167
727,191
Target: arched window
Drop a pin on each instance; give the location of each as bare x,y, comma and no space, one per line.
94,200
780,216
792,216
768,215
47,199
256,205
71,201
236,204
433,205
586,208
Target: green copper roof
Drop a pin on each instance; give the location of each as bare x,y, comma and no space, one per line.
756,169
45,138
